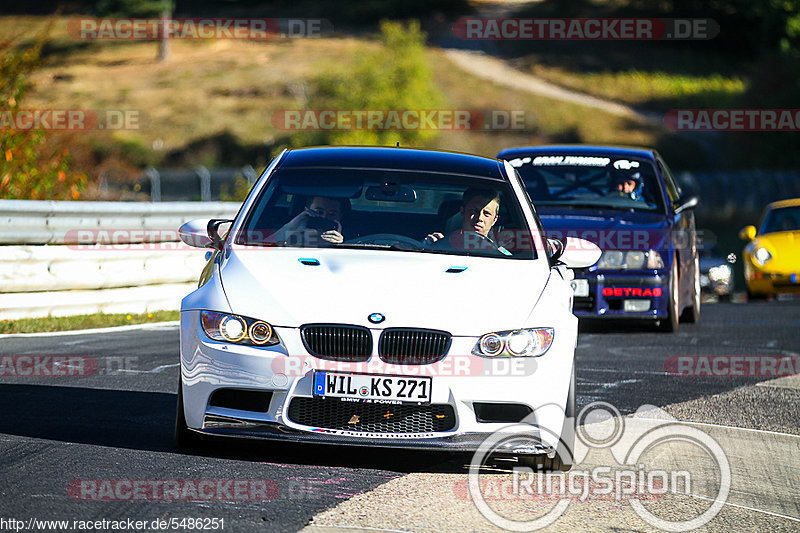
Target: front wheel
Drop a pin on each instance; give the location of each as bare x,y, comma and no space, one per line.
669,324
692,313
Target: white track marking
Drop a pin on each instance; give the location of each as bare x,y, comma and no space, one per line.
792,518
130,327
724,427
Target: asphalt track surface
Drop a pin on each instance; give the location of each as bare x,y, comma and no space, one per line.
117,423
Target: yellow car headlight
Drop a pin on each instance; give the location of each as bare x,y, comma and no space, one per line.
761,256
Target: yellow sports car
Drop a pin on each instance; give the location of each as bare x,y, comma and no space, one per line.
772,255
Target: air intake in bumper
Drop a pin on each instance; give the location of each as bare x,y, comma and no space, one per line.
243,400
371,417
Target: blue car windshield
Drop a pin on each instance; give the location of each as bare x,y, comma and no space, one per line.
388,209
589,181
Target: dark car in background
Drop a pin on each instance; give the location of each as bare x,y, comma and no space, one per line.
627,202
716,273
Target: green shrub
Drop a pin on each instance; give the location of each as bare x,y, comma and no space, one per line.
395,77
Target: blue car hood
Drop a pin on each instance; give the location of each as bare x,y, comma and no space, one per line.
608,229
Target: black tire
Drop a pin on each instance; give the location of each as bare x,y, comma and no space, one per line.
670,323
184,437
692,313
753,296
564,458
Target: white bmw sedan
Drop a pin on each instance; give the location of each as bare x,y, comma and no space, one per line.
382,297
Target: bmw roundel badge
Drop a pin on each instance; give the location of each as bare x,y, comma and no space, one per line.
376,318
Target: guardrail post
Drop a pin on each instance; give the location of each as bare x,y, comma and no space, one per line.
155,184
205,183
250,174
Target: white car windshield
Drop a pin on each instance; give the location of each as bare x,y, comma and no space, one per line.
388,209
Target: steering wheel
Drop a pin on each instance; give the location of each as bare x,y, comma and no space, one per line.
466,240
385,238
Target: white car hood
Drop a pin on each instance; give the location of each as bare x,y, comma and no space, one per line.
410,289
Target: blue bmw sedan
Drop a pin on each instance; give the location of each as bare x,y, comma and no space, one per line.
627,202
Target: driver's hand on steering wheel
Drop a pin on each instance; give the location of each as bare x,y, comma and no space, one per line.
433,237
332,236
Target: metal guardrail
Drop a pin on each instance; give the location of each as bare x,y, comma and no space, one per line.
198,183
62,258
45,222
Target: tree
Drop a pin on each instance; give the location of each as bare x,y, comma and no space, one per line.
162,9
27,170
395,77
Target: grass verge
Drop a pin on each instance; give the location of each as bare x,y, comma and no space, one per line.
653,89
96,320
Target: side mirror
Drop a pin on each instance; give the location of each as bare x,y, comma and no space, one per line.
578,253
687,203
748,233
204,233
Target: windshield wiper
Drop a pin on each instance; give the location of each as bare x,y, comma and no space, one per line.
373,246
587,205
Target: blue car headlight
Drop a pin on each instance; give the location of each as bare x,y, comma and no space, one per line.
237,329
630,260
530,342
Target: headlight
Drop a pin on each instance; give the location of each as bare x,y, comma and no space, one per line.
237,329
611,259
761,256
719,272
531,342
633,260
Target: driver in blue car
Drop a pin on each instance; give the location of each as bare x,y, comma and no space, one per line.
321,218
479,212
627,185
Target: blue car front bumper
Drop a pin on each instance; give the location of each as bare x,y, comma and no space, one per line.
624,295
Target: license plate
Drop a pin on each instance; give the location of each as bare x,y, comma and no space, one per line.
580,287
369,388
